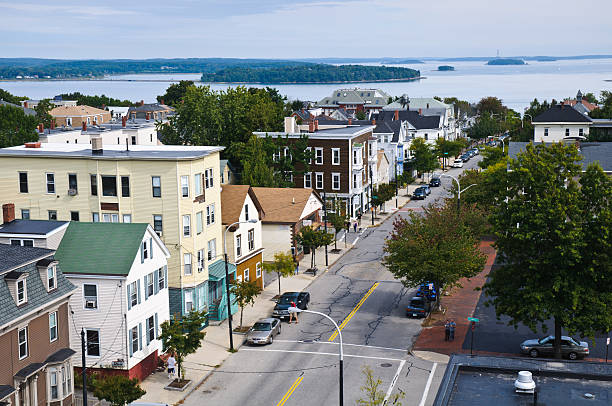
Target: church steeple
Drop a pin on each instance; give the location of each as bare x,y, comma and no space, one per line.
579,96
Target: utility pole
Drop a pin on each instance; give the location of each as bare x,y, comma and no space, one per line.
227,292
396,192
83,368
325,221
371,197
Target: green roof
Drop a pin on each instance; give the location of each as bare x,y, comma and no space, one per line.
100,248
216,270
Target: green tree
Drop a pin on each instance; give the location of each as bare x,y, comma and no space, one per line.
439,246
309,237
16,127
42,112
95,101
339,221
183,336
257,166
491,105
119,390
8,97
245,293
590,97
485,126
284,265
175,93
373,394
491,156
360,115
488,190
382,194
424,156
549,232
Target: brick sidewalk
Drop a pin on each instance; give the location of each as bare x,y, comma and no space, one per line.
459,306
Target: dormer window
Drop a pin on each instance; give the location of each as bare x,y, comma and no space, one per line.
22,292
51,278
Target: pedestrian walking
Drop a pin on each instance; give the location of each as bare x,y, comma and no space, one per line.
355,226
452,326
293,315
171,366
446,330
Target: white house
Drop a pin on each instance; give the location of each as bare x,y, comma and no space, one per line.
32,233
121,298
560,122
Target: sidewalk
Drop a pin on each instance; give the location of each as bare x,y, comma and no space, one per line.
215,345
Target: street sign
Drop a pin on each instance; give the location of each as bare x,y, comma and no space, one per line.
473,319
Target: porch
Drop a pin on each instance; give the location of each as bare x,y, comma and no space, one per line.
217,296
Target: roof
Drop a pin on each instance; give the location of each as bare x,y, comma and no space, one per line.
29,370
27,111
561,113
76,111
416,103
60,355
600,152
33,227
388,127
223,163
232,202
283,205
216,270
588,106
303,114
114,152
418,121
150,107
13,256
5,391
355,96
80,250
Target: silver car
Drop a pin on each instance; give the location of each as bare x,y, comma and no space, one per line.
263,331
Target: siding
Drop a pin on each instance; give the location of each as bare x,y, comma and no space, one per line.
278,239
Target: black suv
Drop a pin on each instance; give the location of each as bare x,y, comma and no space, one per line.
301,299
418,307
435,182
419,193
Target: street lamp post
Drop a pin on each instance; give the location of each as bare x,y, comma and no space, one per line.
522,119
325,221
341,352
371,196
396,191
459,190
227,286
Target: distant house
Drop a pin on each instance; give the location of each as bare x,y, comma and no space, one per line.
560,122
118,112
152,111
121,277
31,233
28,111
79,116
228,175
57,102
34,328
429,106
354,100
591,152
580,104
287,210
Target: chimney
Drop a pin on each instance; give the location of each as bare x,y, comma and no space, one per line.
96,146
311,126
420,112
41,128
25,104
32,144
123,121
148,116
53,124
142,102
396,115
84,126
350,121
8,212
316,125
104,107
162,101
374,122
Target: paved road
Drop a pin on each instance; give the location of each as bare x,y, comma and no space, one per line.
301,366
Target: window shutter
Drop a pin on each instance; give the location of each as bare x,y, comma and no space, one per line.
140,336
151,245
138,290
147,332
155,282
130,342
142,253
156,327
165,276
146,286
129,296
204,186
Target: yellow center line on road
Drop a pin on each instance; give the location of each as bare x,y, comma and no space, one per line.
352,313
290,391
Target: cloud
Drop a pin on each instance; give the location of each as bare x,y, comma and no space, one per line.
77,10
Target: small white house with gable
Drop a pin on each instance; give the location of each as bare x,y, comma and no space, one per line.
121,298
559,123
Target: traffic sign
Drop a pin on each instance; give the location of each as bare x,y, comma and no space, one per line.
474,319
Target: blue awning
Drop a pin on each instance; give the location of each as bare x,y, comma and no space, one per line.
216,270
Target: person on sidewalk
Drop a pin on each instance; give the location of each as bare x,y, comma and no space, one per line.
171,366
452,326
355,226
447,330
293,315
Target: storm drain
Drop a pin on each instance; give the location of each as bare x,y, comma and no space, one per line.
386,365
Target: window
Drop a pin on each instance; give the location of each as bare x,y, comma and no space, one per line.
23,243
210,214
157,224
150,288
208,175
355,157
23,182
134,339
581,132
277,155
354,181
133,140
258,270
187,262
125,186
110,218
567,132
22,339
25,214
66,385
74,215
50,182
308,180
156,184
319,156
52,326
22,292
53,383
318,180
238,245
52,214
133,293
200,260
246,275
145,250
92,342
198,184
109,185
335,181
185,186
335,156
199,222
95,217
150,329
246,212
127,218
308,152
93,180
188,300
161,278
186,225
212,249
90,295
51,278
251,239
72,183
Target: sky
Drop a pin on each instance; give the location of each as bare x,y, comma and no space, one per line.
79,29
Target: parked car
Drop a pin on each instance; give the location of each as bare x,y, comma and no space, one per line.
457,163
475,150
263,331
427,189
418,307
435,182
301,299
419,194
545,346
465,157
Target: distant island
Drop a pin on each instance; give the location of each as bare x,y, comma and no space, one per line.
401,62
445,68
506,61
311,74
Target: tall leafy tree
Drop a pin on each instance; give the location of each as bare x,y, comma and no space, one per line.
42,112
424,156
491,156
547,228
339,221
485,126
310,237
183,336
283,265
490,105
175,93
245,293
8,97
257,166
16,127
118,390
